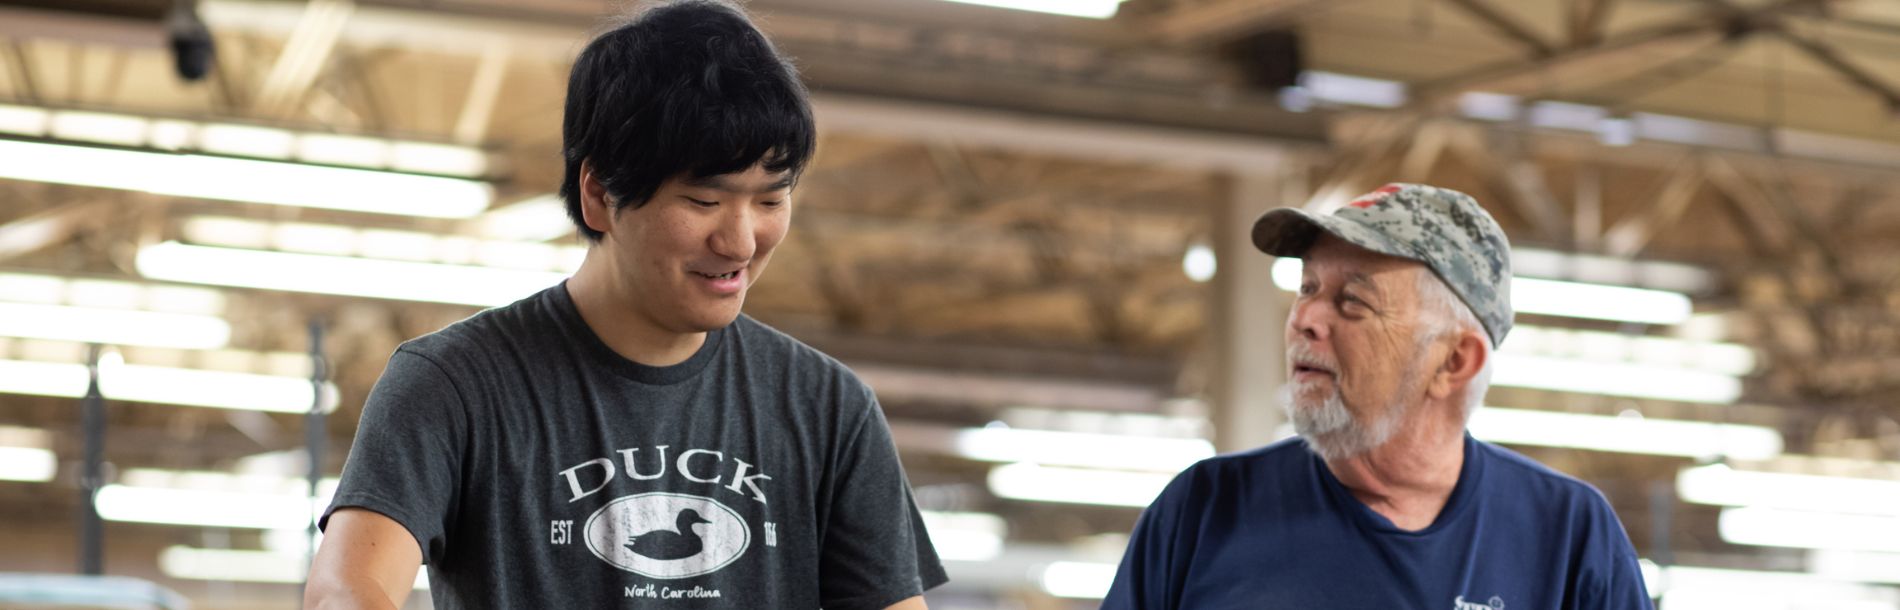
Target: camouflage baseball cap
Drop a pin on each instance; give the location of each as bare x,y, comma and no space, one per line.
1445,229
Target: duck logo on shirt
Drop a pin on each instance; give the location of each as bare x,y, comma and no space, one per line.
667,535
1495,603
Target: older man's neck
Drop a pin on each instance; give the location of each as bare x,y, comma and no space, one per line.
1409,479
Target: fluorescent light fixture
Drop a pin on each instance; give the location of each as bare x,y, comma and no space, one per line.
1353,90
1652,577
233,565
1560,298
1706,598
1855,566
1616,131
1698,588
216,389
1640,435
339,240
349,276
1760,526
438,159
247,180
1489,106
44,378
22,120
314,238
960,536
1594,269
1031,482
164,385
395,245
1288,273
30,464
172,135
538,219
213,499
26,455
1694,132
247,141
1566,115
1115,423
1720,485
1092,9
84,292
212,480
203,508
1110,451
1705,356
1077,579
99,127
113,326
1614,379
244,140
1296,99
345,150
1199,263
1598,301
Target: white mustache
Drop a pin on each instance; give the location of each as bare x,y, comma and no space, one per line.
1299,353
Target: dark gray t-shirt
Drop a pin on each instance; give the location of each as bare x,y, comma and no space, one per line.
537,468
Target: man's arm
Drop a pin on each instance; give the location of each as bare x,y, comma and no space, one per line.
367,560
915,603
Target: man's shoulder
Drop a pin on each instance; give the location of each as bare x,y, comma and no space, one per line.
1232,471
764,344
485,329
1531,479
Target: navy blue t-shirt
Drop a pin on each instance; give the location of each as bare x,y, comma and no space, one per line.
1272,528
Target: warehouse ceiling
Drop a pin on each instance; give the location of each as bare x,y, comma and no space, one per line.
1040,256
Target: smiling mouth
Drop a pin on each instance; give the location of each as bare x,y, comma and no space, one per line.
722,276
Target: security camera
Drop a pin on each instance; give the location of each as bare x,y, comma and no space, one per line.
192,47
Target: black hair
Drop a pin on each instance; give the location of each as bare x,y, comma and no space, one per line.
686,88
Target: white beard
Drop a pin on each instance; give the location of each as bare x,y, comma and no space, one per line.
1329,428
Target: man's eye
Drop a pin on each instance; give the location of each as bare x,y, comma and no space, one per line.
702,203
1309,288
772,204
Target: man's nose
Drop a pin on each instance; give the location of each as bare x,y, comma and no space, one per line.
735,238
1308,320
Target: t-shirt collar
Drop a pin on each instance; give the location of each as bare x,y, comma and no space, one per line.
579,333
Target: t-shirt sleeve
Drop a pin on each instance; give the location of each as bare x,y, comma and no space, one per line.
1146,579
874,550
406,460
1622,586
1615,582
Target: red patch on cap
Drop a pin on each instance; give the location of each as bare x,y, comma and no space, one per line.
1368,199
1371,198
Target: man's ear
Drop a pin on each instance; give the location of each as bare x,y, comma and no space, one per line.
1467,357
596,210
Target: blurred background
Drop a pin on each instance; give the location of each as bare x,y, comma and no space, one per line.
1025,228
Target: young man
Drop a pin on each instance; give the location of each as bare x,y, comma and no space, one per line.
628,437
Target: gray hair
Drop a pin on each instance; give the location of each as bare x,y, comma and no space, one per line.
1446,314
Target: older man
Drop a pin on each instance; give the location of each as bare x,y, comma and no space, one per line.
1385,501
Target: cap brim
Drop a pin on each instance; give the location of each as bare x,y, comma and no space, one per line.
1285,232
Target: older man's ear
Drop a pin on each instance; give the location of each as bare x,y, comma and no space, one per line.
1467,357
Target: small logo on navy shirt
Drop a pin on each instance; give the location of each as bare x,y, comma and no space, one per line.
1495,603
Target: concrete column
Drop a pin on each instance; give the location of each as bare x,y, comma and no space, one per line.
1247,315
